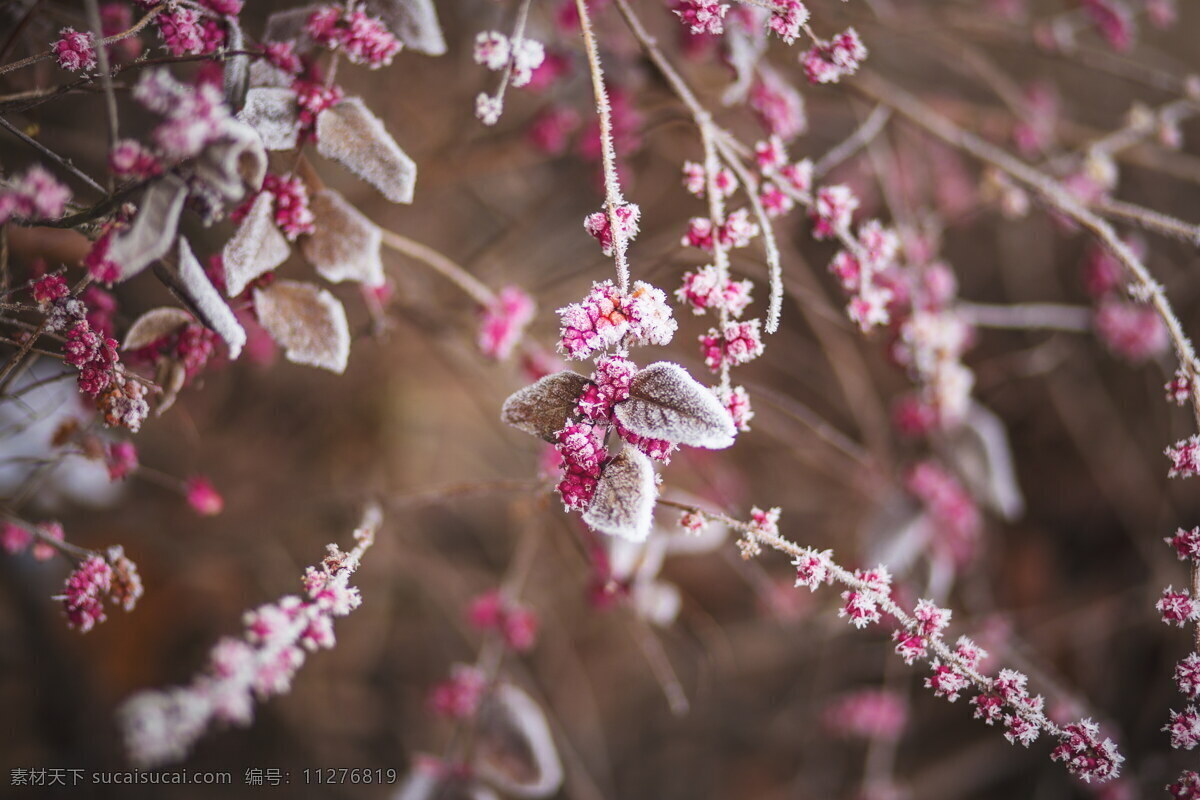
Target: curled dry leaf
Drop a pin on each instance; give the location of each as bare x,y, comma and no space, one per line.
235,164
195,288
274,114
345,245
155,324
514,749
667,403
307,321
414,22
543,408
624,501
256,248
981,454
152,233
349,133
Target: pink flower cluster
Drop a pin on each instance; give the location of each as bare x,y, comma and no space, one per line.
292,213
702,16
121,458
583,454
1085,755
94,355
130,159
951,507
867,714
829,62
738,343
610,385
458,696
185,32
34,195
608,316
364,39
195,115
626,216
115,577
695,180
517,624
313,97
49,289
779,107
738,230
16,539
202,496
788,18
1133,331
75,51
1185,457
702,290
161,726
503,322
860,603
1114,21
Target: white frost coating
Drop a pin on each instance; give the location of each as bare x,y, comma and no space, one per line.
543,408
307,321
349,133
624,501
414,22
667,403
275,115
155,324
212,308
344,245
152,233
257,248
514,749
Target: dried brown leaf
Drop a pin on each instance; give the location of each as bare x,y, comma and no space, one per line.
624,501
256,248
155,324
665,402
235,163
345,245
514,749
542,408
152,233
307,321
350,134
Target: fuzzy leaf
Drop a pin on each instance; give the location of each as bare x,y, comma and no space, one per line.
236,163
152,233
345,244
624,501
981,453
257,248
289,26
274,114
198,291
351,134
543,408
155,324
307,321
514,749
667,403
237,68
414,22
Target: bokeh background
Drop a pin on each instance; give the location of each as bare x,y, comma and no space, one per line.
1065,592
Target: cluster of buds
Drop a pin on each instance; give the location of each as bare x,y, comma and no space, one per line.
112,575
364,39
1180,609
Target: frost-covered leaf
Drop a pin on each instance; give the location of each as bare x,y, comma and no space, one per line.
152,233
349,133
256,248
273,112
197,291
289,26
667,403
746,49
414,22
345,245
542,408
981,454
624,501
264,75
307,321
235,163
514,749
237,67
155,324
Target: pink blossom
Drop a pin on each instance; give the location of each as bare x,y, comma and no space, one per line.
1185,457
812,568
1180,388
1187,675
990,708
181,31
129,159
292,212
503,322
702,290
366,40
606,316
737,403
658,449
75,51
203,498
913,416
1114,21
50,288
771,153
695,180
486,611
14,538
860,607
282,56
313,97
946,681
788,18
34,194
195,115
969,653
950,504
520,628
47,532
82,599
1085,756
702,16
492,50
626,217
799,175
458,697
551,129
121,458
832,210
1131,330
97,262
1187,787
1177,608
930,619
779,107
739,343
1020,729
1186,543
582,455
867,714
610,385
693,522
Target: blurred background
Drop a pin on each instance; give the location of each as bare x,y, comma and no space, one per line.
1064,592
